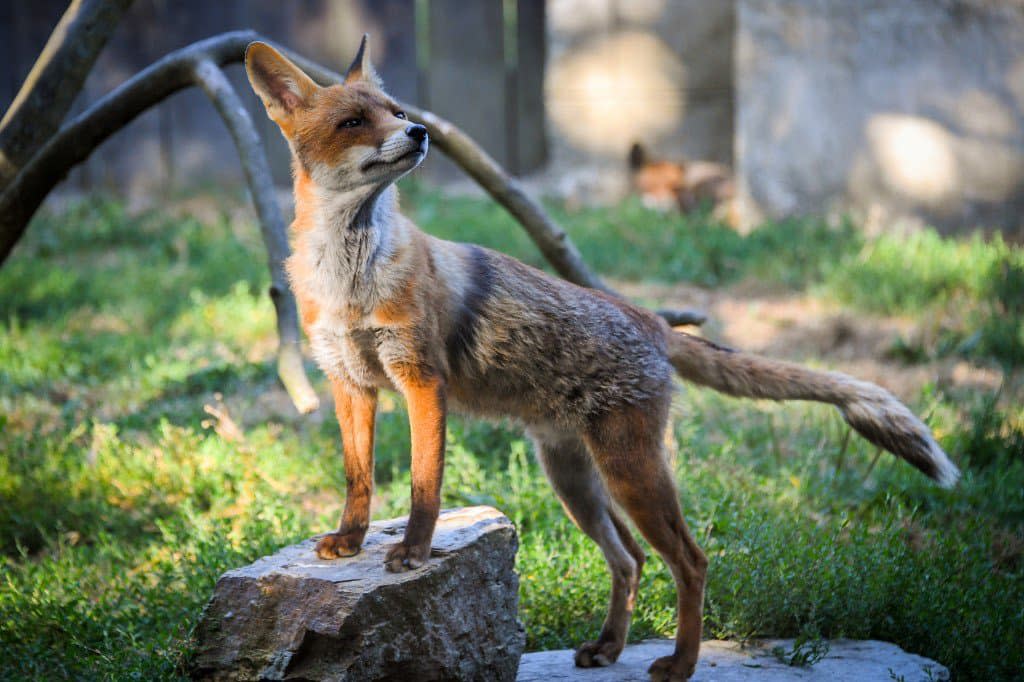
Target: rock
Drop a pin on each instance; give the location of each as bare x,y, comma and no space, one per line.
294,616
845,661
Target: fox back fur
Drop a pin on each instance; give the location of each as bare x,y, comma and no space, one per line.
460,327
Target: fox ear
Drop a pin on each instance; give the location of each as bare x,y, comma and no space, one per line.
281,85
637,156
361,68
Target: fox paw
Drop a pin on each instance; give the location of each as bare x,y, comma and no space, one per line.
403,557
337,545
597,654
671,669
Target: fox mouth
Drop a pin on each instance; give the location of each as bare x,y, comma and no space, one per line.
416,153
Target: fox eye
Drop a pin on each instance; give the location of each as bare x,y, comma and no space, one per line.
351,123
400,114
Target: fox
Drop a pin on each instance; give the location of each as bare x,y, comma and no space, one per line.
683,186
455,327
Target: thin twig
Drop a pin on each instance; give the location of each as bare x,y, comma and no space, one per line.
874,461
842,450
776,450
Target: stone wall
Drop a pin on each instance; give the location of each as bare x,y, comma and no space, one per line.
895,112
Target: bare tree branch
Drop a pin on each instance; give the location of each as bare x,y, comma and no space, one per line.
215,84
77,140
55,80
197,64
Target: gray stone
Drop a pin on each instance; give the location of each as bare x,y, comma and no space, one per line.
845,661
294,616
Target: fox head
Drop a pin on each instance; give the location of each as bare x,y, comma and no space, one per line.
346,136
660,184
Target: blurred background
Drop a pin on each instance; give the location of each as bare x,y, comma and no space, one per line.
895,113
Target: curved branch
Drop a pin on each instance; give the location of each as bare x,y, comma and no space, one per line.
212,81
198,64
549,237
77,140
55,80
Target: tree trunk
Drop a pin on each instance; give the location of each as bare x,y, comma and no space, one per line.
55,81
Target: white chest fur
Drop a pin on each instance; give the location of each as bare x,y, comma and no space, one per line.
346,266
348,353
352,235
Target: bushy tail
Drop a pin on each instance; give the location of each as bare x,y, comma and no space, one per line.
871,410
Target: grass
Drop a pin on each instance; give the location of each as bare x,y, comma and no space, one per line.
121,500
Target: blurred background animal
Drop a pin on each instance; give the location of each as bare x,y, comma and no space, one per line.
682,185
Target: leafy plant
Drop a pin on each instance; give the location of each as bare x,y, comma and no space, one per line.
808,648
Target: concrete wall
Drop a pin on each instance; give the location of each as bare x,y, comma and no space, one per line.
892,110
619,71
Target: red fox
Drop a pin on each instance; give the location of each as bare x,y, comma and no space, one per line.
459,327
685,186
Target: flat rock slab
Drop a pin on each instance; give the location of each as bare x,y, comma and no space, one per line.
293,616
846,661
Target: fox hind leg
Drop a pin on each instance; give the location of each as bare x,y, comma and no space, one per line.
579,488
627,450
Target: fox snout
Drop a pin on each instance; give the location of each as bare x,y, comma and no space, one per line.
417,132
402,150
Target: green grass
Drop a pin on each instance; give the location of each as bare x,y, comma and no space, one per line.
121,500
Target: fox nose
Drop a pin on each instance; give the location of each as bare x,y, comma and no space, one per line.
417,132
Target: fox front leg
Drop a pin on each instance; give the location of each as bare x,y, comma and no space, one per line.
356,409
427,414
